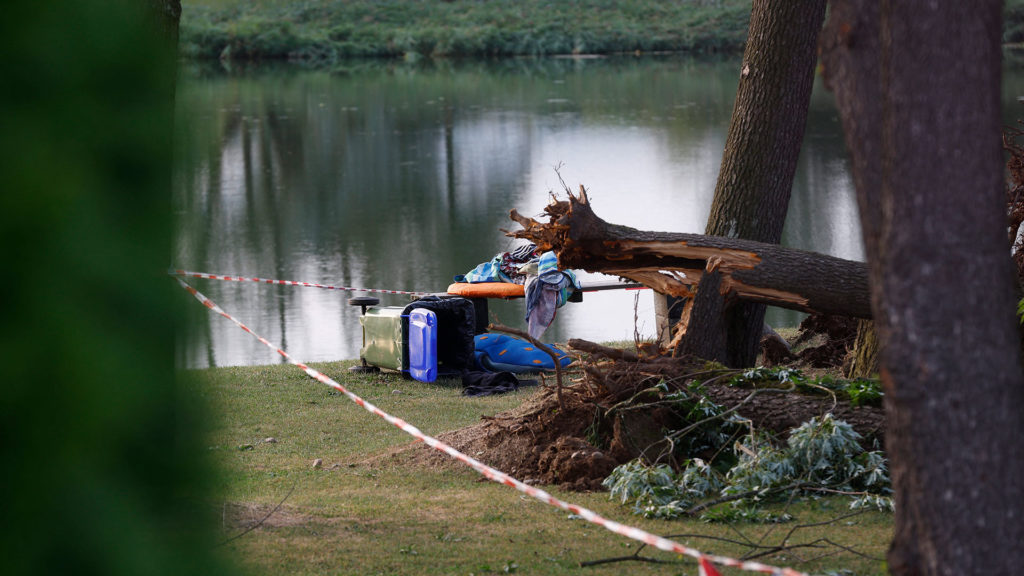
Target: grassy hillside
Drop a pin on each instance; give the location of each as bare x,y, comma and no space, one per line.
327,30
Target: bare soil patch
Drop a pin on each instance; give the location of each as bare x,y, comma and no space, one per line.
245,515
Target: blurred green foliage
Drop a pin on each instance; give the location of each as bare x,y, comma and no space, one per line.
101,468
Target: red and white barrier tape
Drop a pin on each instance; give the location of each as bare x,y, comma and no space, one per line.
705,561
206,276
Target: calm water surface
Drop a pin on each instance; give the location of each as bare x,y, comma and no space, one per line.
401,176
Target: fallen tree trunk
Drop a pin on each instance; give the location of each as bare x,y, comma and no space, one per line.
673,262
778,411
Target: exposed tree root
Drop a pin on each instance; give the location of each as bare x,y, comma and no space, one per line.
614,409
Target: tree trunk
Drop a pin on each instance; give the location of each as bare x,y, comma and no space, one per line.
673,262
917,85
763,145
864,362
708,317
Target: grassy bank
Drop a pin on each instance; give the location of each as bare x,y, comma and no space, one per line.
327,30
323,31
367,510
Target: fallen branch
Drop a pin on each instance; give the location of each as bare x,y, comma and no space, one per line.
603,351
755,549
779,411
635,557
543,348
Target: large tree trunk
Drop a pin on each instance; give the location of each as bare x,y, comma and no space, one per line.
761,150
918,84
673,262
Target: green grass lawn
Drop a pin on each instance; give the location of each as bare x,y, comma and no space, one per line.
368,510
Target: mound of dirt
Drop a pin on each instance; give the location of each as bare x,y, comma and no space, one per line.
535,442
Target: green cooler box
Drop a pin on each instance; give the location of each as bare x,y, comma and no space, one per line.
430,338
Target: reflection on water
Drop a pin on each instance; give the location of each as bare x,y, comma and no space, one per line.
399,177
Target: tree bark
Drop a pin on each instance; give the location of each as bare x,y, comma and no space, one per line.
707,318
864,363
673,262
917,85
763,145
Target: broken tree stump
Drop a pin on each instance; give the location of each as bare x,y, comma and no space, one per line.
707,317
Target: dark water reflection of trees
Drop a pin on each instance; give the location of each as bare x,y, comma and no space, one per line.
397,176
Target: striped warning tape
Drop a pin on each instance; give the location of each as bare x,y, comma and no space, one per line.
206,276
705,562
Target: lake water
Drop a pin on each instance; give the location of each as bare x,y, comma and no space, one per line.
398,176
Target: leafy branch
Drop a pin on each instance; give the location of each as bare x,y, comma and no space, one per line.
821,455
860,391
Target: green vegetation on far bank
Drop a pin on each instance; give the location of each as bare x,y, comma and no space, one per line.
324,31
328,30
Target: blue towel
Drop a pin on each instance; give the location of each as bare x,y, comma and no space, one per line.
489,271
501,352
